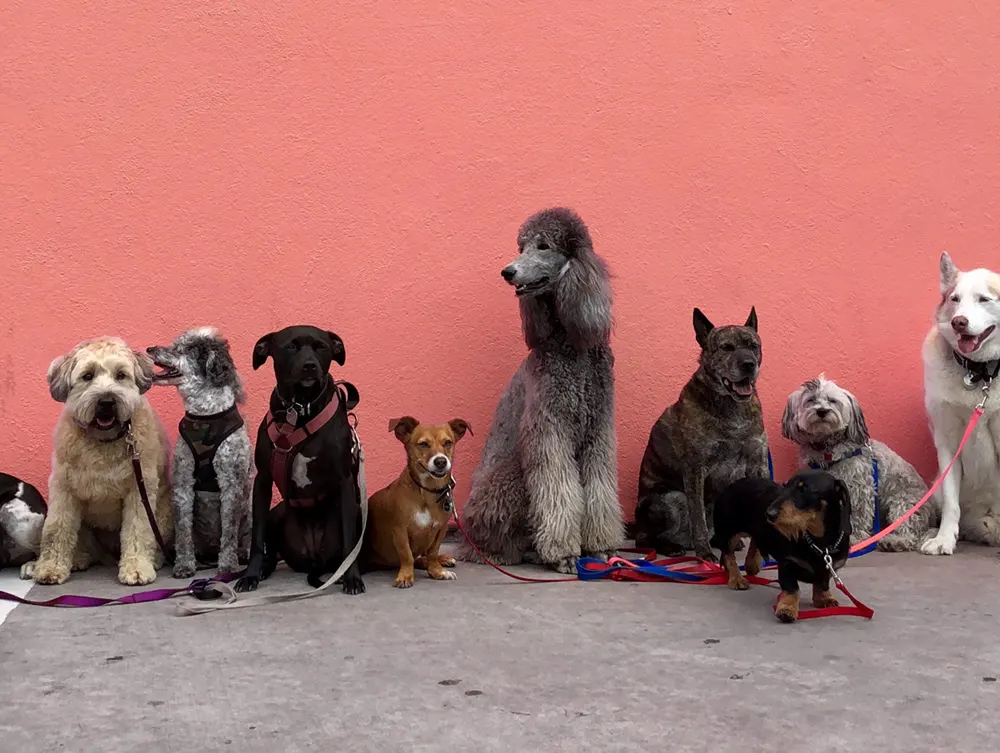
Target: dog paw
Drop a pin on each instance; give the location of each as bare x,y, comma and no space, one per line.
787,608
739,546
442,575
603,555
229,565
739,583
897,542
939,545
28,570
824,599
136,573
403,580
354,585
246,584
81,562
706,554
184,569
50,574
446,560
566,565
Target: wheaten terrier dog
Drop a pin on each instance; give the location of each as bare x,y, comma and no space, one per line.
93,486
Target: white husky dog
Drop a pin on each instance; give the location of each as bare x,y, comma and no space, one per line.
962,357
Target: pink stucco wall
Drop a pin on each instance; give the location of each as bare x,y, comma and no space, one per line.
364,166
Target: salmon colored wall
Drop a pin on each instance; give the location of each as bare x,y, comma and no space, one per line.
364,166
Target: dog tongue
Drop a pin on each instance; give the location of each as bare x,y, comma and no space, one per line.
967,343
743,389
104,423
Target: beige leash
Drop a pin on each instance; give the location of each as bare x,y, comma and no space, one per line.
232,600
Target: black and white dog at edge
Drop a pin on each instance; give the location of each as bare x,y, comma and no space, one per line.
213,459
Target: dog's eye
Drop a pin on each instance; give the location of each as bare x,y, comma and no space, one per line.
447,443
954,299
87,376
121,376
425,445
728,346
542,246
291,347
984,299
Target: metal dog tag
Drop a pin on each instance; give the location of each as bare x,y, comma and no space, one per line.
969,384
290,415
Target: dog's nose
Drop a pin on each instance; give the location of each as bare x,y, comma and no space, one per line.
106,402
747,366
440,463
960,324
310,367
507,273
772,515
822,412
150,349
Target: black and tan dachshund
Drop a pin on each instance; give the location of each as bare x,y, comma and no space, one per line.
798,525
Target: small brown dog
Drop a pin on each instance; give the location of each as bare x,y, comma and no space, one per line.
408,520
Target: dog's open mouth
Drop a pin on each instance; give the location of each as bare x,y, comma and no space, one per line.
105,419
165,373
527,288
741,389
970,343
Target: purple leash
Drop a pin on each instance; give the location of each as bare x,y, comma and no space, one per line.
197,588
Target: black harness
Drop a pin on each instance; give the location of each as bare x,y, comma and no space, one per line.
203,436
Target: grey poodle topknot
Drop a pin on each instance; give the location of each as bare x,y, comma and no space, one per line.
561,227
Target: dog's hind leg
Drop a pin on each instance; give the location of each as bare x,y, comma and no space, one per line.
183,499
694,490
494,515
602,529
661,522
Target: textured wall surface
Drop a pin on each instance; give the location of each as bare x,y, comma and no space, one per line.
364,167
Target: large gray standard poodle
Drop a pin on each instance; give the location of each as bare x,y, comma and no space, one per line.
548,479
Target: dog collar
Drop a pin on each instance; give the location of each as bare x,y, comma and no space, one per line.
825,551
445,497
977,371
829,460
294,409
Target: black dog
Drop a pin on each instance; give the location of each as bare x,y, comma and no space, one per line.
798,525
305,446
22,514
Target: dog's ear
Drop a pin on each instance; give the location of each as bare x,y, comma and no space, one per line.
143,370
337,346
459,426
857,429
403,427
949,273
218,368
58,376
752,319
702,326
843,493
789,420
262,350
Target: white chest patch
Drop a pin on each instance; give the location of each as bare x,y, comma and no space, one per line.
422,519
21,524
300,470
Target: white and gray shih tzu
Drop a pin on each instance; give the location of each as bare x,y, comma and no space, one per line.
828,425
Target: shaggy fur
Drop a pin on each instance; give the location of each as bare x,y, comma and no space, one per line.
967,324
548,477
22,515
92,485
713,435
208,525
828,425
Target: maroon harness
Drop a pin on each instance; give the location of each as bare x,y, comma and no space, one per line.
287,441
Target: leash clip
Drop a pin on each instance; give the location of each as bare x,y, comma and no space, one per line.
199,590
828,561
131,443
986,394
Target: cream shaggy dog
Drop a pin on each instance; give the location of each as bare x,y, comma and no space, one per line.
961,356
92,486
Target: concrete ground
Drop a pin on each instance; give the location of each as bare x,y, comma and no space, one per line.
488,664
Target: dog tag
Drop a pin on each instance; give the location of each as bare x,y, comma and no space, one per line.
969,384
291,416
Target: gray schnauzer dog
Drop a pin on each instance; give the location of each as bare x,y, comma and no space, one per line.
547,482
211,478
828,425
713,435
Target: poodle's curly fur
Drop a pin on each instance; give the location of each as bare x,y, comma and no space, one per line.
548,478
828,425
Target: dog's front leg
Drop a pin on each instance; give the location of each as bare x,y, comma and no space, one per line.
787,609
602,530
261,506
350,528
947,535
232,488
401,541
694,490
59,536
182,499
554,490
138,544
435,564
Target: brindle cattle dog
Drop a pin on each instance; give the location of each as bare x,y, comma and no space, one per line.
712,436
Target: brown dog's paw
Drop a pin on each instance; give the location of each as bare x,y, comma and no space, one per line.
136,572
438,573
738,583
823,599
788,607
50,573
403,580
753,561
446,560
